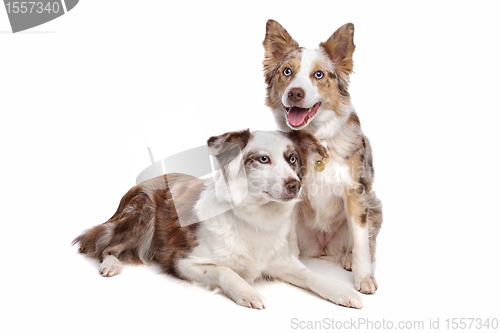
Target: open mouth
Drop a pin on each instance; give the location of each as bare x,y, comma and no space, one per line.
300,116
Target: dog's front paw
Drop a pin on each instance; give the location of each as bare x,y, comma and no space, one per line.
366,285
349,300
251,299
339,294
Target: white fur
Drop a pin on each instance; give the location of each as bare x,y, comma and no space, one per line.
250,240
302,80
110,266
361,260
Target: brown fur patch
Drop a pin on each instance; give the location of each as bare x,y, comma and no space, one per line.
173,241
277,43
228,145
129,234
281,51
354,119
280,81
306,143
356,208
340,48
290,152
327,85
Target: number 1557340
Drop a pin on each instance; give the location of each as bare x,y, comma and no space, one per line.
25,7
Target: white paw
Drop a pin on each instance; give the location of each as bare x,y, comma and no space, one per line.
251,299
366,285
352,300
110,266
347,298
347,261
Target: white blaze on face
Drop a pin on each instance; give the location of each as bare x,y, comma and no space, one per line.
303,81
269,177
299,111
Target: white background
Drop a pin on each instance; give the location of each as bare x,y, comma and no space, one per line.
83,96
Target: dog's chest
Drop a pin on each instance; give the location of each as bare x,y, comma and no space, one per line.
247,251
325,190
332,180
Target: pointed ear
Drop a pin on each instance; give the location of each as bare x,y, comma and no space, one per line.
340,47
227,146
276,43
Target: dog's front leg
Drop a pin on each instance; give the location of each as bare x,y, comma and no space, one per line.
356,209
233,285
293,240
299,275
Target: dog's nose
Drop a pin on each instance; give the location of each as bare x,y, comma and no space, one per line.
292,186
296,95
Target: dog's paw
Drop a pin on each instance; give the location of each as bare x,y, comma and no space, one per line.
366,285
347,261
251,299
110,266
347,298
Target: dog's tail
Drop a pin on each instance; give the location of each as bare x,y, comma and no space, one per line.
127,235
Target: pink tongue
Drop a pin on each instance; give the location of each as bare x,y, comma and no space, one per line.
296,116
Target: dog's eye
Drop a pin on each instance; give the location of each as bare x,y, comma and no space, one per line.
287,71
318,74
264,159
293,159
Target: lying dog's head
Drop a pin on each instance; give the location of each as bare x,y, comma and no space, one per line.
262,166
307,86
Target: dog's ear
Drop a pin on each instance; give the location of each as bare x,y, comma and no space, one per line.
239,138
340,47
307,143
227,146
276,43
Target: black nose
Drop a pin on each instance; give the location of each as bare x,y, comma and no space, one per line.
292,186
296,94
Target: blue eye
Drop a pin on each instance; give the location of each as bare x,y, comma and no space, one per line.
293,159
318,74
264,159
287,71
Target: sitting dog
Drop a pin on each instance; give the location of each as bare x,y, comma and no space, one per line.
225,231
340,216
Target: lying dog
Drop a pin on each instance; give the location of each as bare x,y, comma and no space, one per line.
340,215
234,225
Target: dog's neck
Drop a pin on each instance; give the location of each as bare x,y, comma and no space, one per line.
264,214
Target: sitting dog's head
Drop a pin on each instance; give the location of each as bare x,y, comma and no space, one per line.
262,166
307,86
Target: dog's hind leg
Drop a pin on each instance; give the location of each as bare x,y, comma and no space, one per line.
126,237
111,265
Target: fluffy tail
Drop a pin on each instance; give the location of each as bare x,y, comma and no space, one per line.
127,235
88,241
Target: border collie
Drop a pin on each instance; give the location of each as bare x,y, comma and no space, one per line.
339,216
225,231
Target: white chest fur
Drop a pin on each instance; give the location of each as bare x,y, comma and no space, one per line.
325,189
232,242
